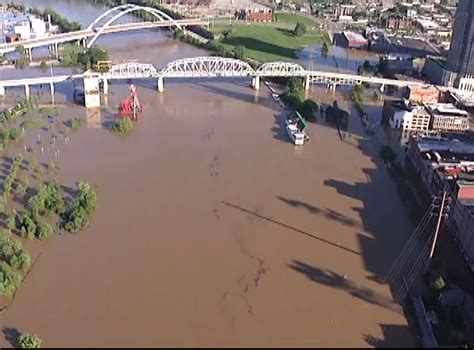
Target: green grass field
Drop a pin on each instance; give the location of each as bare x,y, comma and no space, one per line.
267,43
284,17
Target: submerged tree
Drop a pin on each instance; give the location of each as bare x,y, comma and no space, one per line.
29,341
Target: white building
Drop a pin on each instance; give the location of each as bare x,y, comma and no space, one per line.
410,117
22,29
38,26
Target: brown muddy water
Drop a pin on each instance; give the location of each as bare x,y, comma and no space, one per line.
212,229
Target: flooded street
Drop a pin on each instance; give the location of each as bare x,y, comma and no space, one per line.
212,229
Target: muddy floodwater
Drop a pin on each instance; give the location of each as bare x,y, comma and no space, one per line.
212,229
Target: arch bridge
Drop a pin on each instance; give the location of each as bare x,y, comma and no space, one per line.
106,23
112,15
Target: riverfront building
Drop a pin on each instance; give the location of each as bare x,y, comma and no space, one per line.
352,40
448,164
446,117
408,116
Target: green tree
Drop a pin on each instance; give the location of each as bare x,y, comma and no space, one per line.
43,231
29,341
11,220
10,280
227,32
20,189
43,66
51,166
70,55
307,109
324,49
239,52
33,164
15,134
20,49
27,226
300,29
358,95
376,97
438,284
3,205
123,125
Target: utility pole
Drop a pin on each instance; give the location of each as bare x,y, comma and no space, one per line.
438,225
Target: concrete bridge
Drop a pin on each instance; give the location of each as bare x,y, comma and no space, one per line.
102,25
211,67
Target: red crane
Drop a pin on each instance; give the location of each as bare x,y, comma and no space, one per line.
130,107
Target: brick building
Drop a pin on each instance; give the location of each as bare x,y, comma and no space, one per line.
397,22
255,14
422,94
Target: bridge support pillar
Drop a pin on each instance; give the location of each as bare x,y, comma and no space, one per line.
30,54
160,84
56,50
256,82
106,86
2,91
51,86
27,91
382,88
306,82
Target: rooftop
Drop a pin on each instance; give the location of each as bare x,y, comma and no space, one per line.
446,109
352,36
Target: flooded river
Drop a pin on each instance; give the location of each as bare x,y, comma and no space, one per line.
211,228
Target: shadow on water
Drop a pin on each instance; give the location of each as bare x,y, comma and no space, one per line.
11,335
393,336
251,96
289,227
279,131
332,279
328,213
382,226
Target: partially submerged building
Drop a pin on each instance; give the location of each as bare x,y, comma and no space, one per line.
352,40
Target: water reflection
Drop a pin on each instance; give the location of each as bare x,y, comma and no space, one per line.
94,118
338,59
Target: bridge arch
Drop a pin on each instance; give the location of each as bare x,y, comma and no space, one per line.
281,69
208,66
122,11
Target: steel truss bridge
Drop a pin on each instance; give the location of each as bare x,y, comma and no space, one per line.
104,24
213,67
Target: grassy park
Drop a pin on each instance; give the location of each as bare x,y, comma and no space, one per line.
270,41
291,18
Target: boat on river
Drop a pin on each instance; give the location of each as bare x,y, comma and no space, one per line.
295,128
